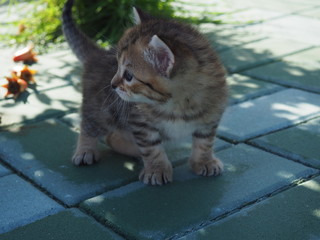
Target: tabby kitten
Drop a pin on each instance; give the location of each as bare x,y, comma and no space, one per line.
163,81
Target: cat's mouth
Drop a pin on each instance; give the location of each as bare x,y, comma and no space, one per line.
123,94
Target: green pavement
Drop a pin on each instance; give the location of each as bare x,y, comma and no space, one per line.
269,141
70,224
293,214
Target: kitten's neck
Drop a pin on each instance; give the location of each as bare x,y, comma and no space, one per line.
186,99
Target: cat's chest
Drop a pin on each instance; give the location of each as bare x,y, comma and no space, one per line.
176,129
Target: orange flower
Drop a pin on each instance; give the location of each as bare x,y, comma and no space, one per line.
21,28
26,54
15,86
24,73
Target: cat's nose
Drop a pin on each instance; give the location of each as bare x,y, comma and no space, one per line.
115,82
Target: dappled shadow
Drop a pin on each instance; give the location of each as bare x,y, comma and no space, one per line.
191,202
42,152
287,143
243,48
266,66
268,114
273,219
302,75
56,92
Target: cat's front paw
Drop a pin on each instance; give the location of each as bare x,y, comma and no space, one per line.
157,174
212,167
85,157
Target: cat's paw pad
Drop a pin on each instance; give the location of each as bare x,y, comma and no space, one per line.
213,167
157,175
85,157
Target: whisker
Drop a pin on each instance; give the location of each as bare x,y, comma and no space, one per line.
110,105
104,88
107,100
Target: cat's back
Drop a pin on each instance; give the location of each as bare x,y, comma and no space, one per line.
98,69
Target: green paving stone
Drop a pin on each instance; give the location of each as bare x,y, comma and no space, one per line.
57,68
4,171
146,212
242,88
40,105
72,120
274,5
256,53
299,70
309,56
43,152
294,27
224,36
21,203
292,214
269,113
250,16
198,9
67,225
301,142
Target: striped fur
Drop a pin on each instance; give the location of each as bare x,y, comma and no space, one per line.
162,81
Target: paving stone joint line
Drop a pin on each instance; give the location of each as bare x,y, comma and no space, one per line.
247,205
300,171
34,184
288,157
269,60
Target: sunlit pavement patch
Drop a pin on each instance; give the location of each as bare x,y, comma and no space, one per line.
301,143
257,53
145,212
293,214
35,106
21,203
268,113
242,88
300,70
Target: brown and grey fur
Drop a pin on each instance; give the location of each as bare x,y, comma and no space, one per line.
163,81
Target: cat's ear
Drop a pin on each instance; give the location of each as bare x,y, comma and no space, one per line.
140,16
160,56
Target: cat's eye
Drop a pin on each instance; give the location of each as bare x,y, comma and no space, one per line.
127,76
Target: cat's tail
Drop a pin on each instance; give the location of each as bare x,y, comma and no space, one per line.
81,45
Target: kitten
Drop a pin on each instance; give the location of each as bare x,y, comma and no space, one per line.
163,81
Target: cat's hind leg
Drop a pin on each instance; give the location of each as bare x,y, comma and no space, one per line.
86,152
123,142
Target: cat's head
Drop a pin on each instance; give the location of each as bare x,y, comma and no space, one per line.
145,63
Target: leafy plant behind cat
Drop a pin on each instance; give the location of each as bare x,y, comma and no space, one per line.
109,18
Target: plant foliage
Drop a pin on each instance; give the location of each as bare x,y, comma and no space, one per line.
102,20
